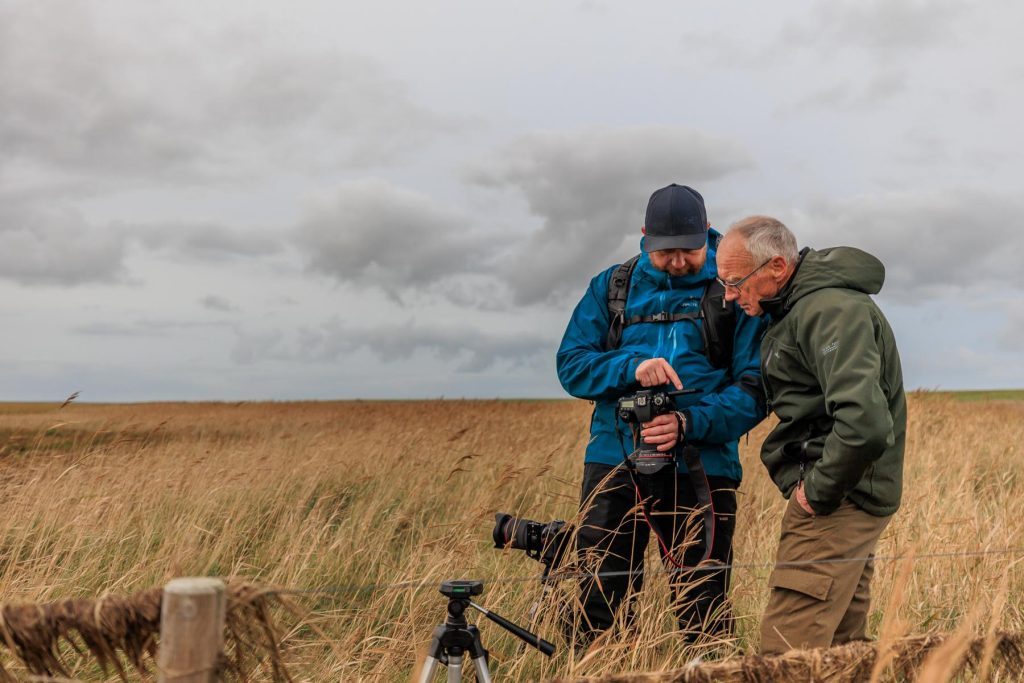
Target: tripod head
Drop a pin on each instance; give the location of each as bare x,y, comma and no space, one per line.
459,592
461,588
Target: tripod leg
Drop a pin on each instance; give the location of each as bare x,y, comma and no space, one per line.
435,653
429,667
479,655
483,673
454,668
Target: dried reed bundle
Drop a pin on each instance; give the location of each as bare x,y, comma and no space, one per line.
116,629
844,664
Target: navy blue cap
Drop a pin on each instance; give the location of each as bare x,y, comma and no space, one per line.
676,219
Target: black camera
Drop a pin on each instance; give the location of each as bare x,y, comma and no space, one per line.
543,542
644,406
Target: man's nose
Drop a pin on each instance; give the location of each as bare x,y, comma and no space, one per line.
731,294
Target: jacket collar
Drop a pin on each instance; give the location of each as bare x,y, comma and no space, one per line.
778,306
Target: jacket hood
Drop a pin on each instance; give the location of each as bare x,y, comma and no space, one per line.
664,280
838,267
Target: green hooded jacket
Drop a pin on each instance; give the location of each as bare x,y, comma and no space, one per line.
832,376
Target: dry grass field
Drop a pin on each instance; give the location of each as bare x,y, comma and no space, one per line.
348,496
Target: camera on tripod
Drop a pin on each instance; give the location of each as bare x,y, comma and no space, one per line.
542,542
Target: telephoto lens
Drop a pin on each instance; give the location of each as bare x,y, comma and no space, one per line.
514,532
542,542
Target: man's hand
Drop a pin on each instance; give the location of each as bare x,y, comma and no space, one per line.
662,431
656,372
801,499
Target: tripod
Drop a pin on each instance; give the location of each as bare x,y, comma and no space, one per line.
454,638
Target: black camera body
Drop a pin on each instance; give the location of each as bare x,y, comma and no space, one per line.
542,542
644,406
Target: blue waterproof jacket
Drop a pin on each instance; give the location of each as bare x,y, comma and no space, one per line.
730,403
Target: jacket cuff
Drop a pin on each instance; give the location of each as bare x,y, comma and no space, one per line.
820,507
696,424
629,372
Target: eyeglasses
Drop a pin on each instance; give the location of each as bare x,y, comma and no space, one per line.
739,283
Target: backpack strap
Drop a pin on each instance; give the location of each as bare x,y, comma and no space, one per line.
618,292
663,317
716,317
719,318
719,328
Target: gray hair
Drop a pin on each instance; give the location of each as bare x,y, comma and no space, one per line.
765,238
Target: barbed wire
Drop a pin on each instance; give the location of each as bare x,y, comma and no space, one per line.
558,576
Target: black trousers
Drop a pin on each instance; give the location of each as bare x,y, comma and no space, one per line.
614,536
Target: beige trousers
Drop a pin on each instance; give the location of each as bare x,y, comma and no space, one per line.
819,605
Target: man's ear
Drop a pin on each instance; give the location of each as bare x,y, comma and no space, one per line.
643,229
778,265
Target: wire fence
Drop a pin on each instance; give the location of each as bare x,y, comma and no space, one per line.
125,629
416,584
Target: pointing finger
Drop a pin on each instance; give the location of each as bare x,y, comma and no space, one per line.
673,376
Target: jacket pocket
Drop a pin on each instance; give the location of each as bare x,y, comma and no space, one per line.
802,581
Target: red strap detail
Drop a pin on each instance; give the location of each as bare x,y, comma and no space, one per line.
666,553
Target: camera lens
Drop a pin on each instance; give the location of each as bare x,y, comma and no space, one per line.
503,525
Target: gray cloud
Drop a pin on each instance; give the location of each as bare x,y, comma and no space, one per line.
331,95
371,232
143,327
468,349
212,302
932,241
255,347
482,292
879,29
881,85
593,7
880,32
85,104
74,101
56,246
591,189
208,241
1011,337
925,148
880,26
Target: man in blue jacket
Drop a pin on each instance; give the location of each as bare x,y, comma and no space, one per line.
676,331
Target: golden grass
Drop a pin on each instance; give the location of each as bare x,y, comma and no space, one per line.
118,631
316,495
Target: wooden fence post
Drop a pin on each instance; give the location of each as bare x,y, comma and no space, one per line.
191,630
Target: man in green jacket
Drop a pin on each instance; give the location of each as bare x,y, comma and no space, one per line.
832,376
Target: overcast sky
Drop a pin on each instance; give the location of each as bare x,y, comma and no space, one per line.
265,200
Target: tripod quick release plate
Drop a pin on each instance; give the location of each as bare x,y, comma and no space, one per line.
461,588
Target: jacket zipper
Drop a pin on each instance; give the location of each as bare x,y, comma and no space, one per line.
768,396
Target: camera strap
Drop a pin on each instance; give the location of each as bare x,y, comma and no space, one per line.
690,455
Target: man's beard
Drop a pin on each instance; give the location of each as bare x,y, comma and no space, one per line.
680,273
